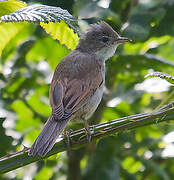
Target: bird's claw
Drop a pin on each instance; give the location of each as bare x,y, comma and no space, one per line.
66,137
89,132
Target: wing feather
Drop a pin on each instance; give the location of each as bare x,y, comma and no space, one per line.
68,96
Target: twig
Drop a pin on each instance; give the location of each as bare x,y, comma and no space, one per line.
78,139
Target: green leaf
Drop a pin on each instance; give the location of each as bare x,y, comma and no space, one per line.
131,164
47,48
142,21
60,31
135,63
44,174
42,13
10,6
25,116
37,104
144,47
166,22
59,23
9,30
161,75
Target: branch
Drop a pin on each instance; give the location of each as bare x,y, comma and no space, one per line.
78,138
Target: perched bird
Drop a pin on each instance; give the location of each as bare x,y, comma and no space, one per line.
77,85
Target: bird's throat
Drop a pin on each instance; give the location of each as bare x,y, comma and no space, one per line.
106,52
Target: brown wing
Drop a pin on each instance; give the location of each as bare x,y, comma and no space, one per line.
67,98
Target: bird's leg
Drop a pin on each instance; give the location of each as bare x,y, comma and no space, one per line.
66,136
88,130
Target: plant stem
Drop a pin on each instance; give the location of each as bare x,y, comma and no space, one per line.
78,138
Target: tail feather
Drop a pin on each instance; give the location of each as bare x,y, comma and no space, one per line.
46,139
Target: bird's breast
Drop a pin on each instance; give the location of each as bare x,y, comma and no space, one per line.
93,103
86,111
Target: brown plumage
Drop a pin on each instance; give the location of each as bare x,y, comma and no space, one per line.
77,85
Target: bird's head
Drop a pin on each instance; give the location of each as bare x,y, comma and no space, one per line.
101,39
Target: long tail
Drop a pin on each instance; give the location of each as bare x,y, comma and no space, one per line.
46,139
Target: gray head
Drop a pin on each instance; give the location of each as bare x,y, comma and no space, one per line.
100,37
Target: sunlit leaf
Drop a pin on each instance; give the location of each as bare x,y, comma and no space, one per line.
42,13
60,31
7,7
9,30
60,25
25,116
131,164
44,174
47,48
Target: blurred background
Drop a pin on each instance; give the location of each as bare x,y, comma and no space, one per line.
27,63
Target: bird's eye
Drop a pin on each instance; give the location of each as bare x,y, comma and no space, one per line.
105,39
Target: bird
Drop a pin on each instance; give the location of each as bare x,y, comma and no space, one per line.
77,84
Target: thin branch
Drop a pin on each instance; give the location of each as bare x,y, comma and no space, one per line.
78,138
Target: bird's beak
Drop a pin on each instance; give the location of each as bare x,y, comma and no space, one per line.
122,40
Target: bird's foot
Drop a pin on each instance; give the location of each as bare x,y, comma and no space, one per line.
66,137
89,132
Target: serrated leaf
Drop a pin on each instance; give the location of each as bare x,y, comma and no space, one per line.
161,75
42,13
60,31
59,23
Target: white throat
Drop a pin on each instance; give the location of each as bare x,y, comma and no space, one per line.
106,52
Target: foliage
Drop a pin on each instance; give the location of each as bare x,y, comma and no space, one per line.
45,15
28,59
9,31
